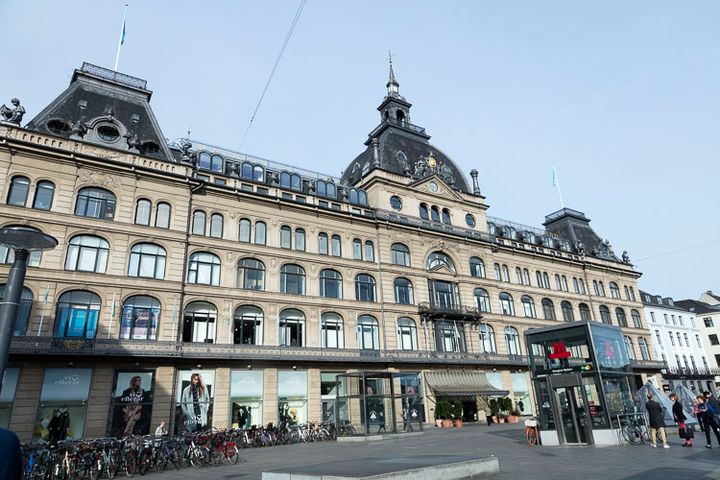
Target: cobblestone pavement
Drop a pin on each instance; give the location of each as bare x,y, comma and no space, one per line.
517,459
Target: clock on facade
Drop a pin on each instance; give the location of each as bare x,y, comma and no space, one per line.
433,187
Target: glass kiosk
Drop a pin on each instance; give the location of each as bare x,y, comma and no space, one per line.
582,379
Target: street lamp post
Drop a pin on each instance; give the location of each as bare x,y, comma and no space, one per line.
22,240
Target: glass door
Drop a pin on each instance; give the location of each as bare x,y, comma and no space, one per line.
572,414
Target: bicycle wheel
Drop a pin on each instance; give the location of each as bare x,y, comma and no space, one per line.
632,434
112,465
197,457
217,456
144,462
94,472
232,454
130,464
532,436
161,461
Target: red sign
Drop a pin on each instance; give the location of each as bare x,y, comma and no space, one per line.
559,351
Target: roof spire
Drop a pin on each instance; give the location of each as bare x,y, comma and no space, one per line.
393,86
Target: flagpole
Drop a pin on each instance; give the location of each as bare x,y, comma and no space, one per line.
556,183
121,40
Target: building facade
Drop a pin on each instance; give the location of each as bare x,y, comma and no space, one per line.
200,286
707,310
678,338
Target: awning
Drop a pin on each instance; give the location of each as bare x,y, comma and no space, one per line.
462,383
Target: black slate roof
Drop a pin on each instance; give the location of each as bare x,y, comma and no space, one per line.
697,307
574,226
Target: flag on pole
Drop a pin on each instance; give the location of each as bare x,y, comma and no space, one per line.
122,35
122,39
554,177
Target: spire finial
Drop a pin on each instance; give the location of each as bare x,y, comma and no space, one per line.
393,86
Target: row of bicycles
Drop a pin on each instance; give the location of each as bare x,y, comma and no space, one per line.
108,457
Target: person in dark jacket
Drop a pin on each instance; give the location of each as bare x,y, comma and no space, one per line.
679,417
657,421
707,413
11,466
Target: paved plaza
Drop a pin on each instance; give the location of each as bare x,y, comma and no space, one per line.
517,459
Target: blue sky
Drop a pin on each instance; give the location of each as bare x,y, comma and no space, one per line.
622,96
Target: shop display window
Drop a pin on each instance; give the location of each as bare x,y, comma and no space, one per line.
292,397
246,396
63,404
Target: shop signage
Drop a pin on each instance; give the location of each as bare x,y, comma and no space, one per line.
559,351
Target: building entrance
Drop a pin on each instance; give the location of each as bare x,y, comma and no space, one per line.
571,413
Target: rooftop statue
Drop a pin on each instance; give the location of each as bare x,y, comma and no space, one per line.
625,257
79,128
13,114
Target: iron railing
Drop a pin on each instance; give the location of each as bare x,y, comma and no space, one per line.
690,372
388,216
455,310
407,125
647,364
114,76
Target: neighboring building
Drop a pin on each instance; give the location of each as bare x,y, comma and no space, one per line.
677,337
707,312
201,286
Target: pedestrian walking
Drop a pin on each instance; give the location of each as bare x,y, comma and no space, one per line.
709,418
713,401
11,466
697,416
657,421
679,417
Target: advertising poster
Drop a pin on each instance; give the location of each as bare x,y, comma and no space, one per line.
131,403
193,411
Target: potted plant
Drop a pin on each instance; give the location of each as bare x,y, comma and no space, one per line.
514,416
443,411
457,414
494,410
438,413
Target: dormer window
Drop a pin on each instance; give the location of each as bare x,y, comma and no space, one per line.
108,133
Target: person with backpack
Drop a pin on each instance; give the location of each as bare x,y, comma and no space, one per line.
709,419
679,417
657,421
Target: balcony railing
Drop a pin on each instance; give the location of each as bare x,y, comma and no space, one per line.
647,364
690,372
428,225
407,125
427,308
164,349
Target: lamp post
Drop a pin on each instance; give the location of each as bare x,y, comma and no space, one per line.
22,240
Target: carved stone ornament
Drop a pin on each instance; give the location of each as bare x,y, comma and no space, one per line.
625,257
100,152
429,165
98,178
13,114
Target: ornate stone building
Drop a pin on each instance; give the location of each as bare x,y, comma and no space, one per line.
200,286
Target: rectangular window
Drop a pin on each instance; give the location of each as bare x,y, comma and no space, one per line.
246,396
328,396
194,401
63,399
652,317
708,322
245,187
262,190
131,404
292,397
7,395
713,339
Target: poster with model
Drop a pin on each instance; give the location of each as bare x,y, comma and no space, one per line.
193,412
132,398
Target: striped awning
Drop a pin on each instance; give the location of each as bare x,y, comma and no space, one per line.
462,383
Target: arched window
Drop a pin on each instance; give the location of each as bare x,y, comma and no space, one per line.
404,291
247,170
512,339
216,225
87,253
434,214
7,255
630,348
22,317
285,237
258,173
581,284
605,315
204,161
199,322
44,192
614,290
364,288
204,269
506,302
251,274
198,222
95,203
505,273
449,336
162,215
567,311
621,318
564,281
477,267
487,338
320,188
357,249
518,276
546,280
323,243
635,315
585,312
331,331
140,315
247,325
424,211
292,279
644,352
438,260
539,279
482,300
19,188
407,334
575,285
446,216
336,246
260,233
143,208
292,328
77,314
400,254
548,309
526,277
300,239
285,179
368,337
330,283
528,307
147,260
369,251
245,228
558,285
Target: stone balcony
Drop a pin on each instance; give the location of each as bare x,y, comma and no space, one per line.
115,348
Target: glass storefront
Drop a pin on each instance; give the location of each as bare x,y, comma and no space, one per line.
329,391
63,402
7,395
292,397
194,401
521,393
131,403
246,395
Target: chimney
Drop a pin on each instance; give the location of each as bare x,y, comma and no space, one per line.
476,187
376,152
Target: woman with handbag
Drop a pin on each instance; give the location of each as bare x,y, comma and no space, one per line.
679,417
